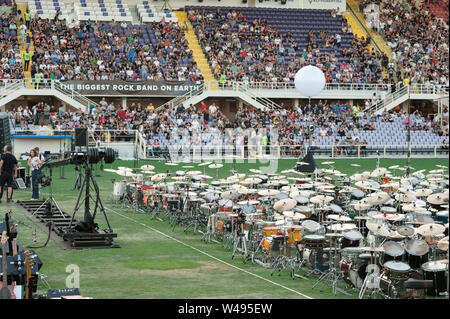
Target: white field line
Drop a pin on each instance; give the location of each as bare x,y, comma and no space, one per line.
210,256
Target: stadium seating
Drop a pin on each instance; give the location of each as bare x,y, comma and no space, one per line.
149,13
297,22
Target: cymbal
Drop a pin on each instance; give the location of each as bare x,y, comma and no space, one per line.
253,180
378,198
289,188
390,217
321,199
204,164
339,218
373,249
359,177
405,230
336,209
268,192
380,171
285,204
362,217
406,198
342,227
110,170
437,171
311,225
124,173
171,164
442,245
256,171
288,213
328,163
395,235
302,163
430,230
298,216
334,235
192,173
248,202
378,229
123,168
437,199
215,166
363,184
361,206
230,194
147,167
413,208
355,165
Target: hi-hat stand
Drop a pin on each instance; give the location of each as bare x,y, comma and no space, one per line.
334,274
240,239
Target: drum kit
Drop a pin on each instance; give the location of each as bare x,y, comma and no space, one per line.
382,235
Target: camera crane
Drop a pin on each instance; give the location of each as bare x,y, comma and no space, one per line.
85,233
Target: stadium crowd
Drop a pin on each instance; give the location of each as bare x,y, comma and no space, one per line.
254,51
10,58
94,51
209,127
418,39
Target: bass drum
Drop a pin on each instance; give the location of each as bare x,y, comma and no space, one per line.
316,259
417,252
435,271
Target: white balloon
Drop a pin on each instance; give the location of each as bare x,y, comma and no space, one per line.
309,80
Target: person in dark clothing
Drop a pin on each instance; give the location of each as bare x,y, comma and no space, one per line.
8,172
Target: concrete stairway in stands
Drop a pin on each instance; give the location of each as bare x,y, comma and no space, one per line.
197,51
27,74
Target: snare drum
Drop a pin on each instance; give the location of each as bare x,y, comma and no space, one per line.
397,270
388,210
313,241
351,238
417,252
435,271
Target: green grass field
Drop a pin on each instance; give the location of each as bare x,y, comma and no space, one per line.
152,265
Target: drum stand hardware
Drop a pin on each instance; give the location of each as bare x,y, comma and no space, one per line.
371,282
239,238
334,274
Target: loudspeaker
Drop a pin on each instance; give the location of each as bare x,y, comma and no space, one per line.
5,133
310,167
81,137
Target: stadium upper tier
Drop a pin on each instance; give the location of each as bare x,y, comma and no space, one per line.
266,44
239,43
10,58
157,51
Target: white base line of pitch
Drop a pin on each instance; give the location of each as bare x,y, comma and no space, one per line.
210,256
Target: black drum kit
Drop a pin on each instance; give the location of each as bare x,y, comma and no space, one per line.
376,233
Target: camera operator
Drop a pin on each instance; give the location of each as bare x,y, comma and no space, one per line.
8,172
35,167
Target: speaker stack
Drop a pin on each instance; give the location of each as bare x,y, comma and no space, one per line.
5,133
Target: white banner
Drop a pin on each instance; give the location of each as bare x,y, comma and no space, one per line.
339,5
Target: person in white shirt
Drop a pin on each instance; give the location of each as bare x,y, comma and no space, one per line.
34,163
